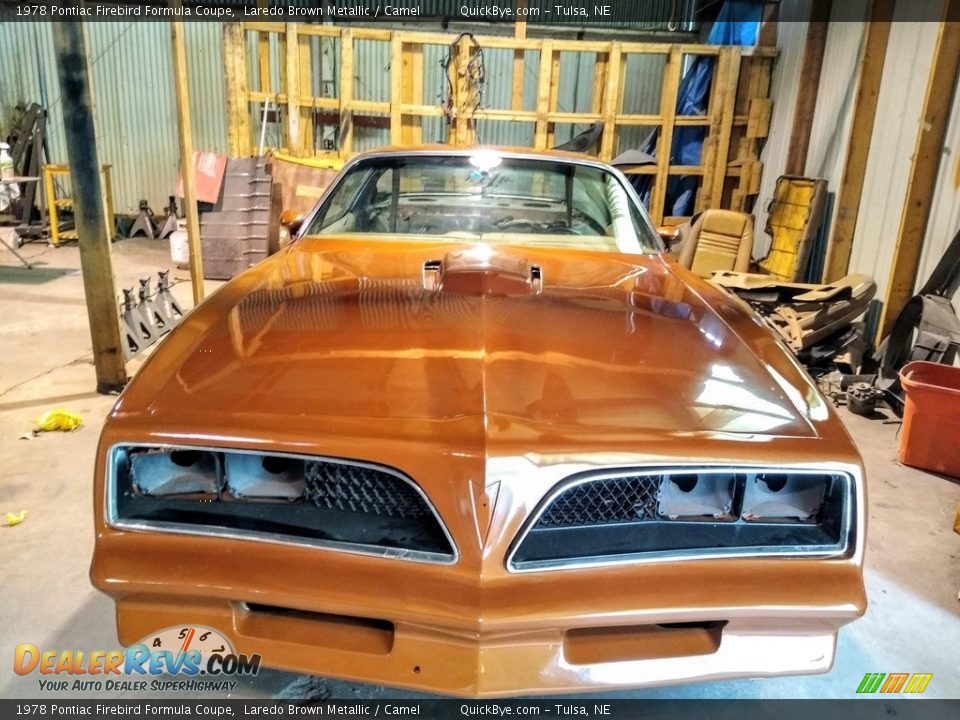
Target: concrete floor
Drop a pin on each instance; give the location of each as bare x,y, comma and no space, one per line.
913,557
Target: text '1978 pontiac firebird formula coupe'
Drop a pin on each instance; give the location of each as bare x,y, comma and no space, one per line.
475,432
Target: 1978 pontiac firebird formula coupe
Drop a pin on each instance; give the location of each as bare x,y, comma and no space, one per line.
475,432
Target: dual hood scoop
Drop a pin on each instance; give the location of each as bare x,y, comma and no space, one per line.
482,271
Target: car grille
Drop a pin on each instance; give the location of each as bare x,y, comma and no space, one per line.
610,500
613,516
362,489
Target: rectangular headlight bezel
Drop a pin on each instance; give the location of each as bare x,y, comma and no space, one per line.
116,517
842,524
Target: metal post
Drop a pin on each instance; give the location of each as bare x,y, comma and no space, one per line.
185,133
69,39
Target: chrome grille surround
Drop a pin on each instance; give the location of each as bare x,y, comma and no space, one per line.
114,519
645,511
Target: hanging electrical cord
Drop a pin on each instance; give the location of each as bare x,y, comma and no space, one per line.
475,74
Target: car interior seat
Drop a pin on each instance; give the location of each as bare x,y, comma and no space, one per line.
718,240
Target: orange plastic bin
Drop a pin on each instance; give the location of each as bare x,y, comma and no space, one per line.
930,436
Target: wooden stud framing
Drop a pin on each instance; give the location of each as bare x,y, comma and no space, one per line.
668,102
235,82
185,135
396,90
808,87
927,156
411,93
611,102
554,93
346,93
728,76
463,124
520,32
872,57
716,145
291,82
737,121
540,136
306,111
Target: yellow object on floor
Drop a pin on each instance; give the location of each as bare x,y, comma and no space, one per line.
956,523
16,518
59,419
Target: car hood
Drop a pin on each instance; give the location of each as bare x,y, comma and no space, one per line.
611,344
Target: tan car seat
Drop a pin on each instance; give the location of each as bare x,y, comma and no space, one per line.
718,240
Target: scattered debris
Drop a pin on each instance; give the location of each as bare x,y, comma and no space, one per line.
28,435
814,320
862,398
58,419
16,518
306,688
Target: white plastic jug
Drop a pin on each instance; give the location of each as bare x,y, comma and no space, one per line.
179,246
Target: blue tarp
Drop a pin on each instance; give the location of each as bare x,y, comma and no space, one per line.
737,24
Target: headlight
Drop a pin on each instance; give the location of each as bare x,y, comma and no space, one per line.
619,515
331,502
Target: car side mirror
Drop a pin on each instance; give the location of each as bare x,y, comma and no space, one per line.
670,234
292,220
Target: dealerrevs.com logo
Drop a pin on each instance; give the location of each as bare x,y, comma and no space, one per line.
199,659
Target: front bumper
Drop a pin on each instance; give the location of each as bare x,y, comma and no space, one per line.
444,629
473,665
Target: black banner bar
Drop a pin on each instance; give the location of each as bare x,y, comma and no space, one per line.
624,14
591,709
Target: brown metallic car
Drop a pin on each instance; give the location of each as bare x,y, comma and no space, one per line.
476,432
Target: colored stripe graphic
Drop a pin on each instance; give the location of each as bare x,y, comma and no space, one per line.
870,682
894,682
918,682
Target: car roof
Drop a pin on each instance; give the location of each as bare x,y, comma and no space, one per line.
440,149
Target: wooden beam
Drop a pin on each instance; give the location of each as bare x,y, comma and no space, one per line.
611,102
543,95
185,134
346,93
306,91
927,155
519,32
466,123
93,236
554,97
730,80
236,89
599,74
412,94
873,54
809,86
716,148
396,89
668,106
291,81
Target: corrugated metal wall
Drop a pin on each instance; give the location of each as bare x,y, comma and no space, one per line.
136,113
133,96
900,103
945,213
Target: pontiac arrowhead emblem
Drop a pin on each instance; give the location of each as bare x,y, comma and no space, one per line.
484,500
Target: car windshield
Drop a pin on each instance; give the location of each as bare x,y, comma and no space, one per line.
485,197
